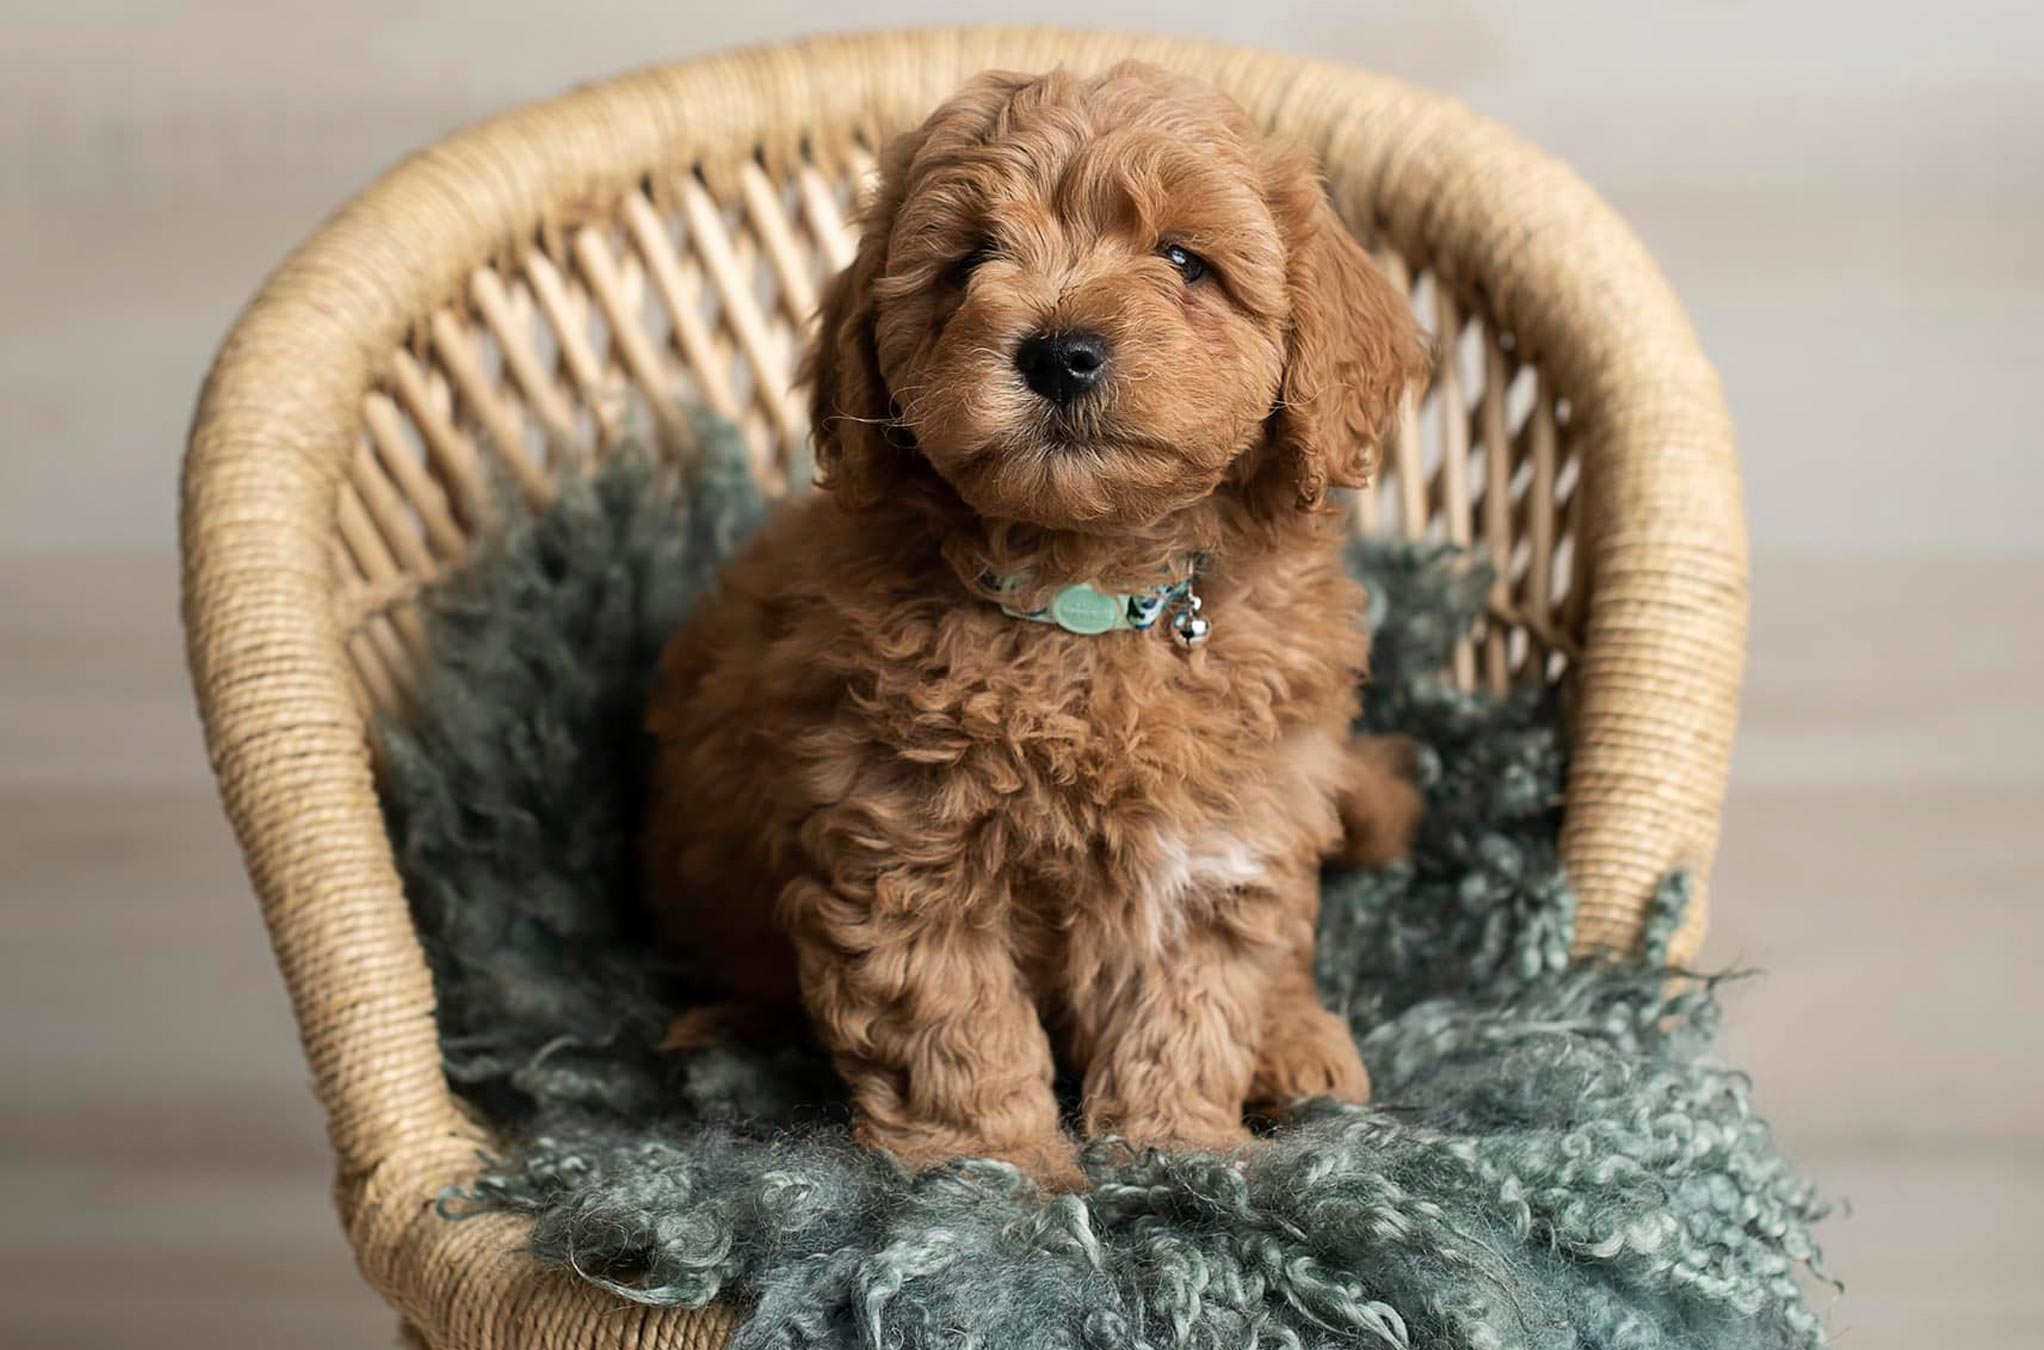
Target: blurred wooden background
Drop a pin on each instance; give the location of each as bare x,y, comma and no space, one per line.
1850,196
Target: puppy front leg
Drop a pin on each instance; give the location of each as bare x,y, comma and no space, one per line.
1305,1050
1169,1038
930,1024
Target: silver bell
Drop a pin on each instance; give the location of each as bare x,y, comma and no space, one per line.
1188,627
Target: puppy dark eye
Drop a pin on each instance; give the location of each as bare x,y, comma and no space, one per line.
961,271
1189,264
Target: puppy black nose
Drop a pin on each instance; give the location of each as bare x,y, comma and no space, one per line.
1062,366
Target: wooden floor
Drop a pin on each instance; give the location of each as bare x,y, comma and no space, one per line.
165,1174
1850,208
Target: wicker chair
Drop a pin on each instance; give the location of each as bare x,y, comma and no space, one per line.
535,288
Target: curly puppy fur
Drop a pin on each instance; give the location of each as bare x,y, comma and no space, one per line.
962,842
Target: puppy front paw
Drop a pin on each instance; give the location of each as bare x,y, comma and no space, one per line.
1172,1132
1307,1054
1052,1161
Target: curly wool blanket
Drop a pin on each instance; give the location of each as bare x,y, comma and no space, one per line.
1551,1160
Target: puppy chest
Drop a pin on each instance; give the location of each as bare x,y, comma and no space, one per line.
1105,771
1083,739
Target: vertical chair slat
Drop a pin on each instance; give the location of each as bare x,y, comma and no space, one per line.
599,268
514,340
426,498
1541,526
826,222
1406,464
387,509
1451,500
570,326
712,244
381,686
456,346
375,688
376,565
692,338
1497,507
451,453
770,222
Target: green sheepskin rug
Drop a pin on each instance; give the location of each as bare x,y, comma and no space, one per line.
1552,1158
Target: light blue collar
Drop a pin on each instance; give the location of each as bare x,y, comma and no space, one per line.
1087,610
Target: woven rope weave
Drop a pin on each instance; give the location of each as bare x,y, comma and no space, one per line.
553,282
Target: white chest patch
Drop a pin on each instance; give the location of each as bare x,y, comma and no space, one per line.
1192,872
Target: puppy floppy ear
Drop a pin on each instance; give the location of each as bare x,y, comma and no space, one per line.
863,453
1353,348
860,451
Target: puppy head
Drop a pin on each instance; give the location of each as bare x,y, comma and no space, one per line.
1087,304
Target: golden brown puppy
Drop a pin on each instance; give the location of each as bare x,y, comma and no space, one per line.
1098,331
